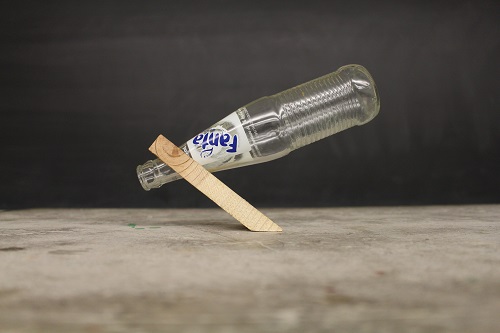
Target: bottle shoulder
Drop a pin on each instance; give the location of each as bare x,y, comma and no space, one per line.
266,127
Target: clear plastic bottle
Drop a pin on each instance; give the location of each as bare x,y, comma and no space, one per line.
273,126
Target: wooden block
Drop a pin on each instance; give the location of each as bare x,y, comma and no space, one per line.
211,186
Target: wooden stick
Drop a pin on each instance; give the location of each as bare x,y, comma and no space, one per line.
211,186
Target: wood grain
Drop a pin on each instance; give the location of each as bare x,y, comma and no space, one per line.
211,186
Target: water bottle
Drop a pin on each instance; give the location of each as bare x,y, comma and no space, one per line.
273,126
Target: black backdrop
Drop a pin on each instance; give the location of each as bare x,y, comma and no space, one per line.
87,86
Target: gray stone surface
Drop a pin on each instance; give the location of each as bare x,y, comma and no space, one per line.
385,269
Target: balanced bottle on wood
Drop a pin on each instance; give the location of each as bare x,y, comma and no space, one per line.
273,126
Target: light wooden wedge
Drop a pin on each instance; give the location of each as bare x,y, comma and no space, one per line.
211,186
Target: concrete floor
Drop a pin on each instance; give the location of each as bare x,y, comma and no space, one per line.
396,269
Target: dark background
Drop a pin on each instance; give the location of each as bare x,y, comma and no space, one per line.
87,86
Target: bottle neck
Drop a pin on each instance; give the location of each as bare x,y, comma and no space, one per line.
154,174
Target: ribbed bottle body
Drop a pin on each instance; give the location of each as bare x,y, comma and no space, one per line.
328,105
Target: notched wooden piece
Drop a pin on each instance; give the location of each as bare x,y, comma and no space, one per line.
211,186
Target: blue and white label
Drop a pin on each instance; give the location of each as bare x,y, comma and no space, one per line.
213,140
221,142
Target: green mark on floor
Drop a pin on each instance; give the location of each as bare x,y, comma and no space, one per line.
134,226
